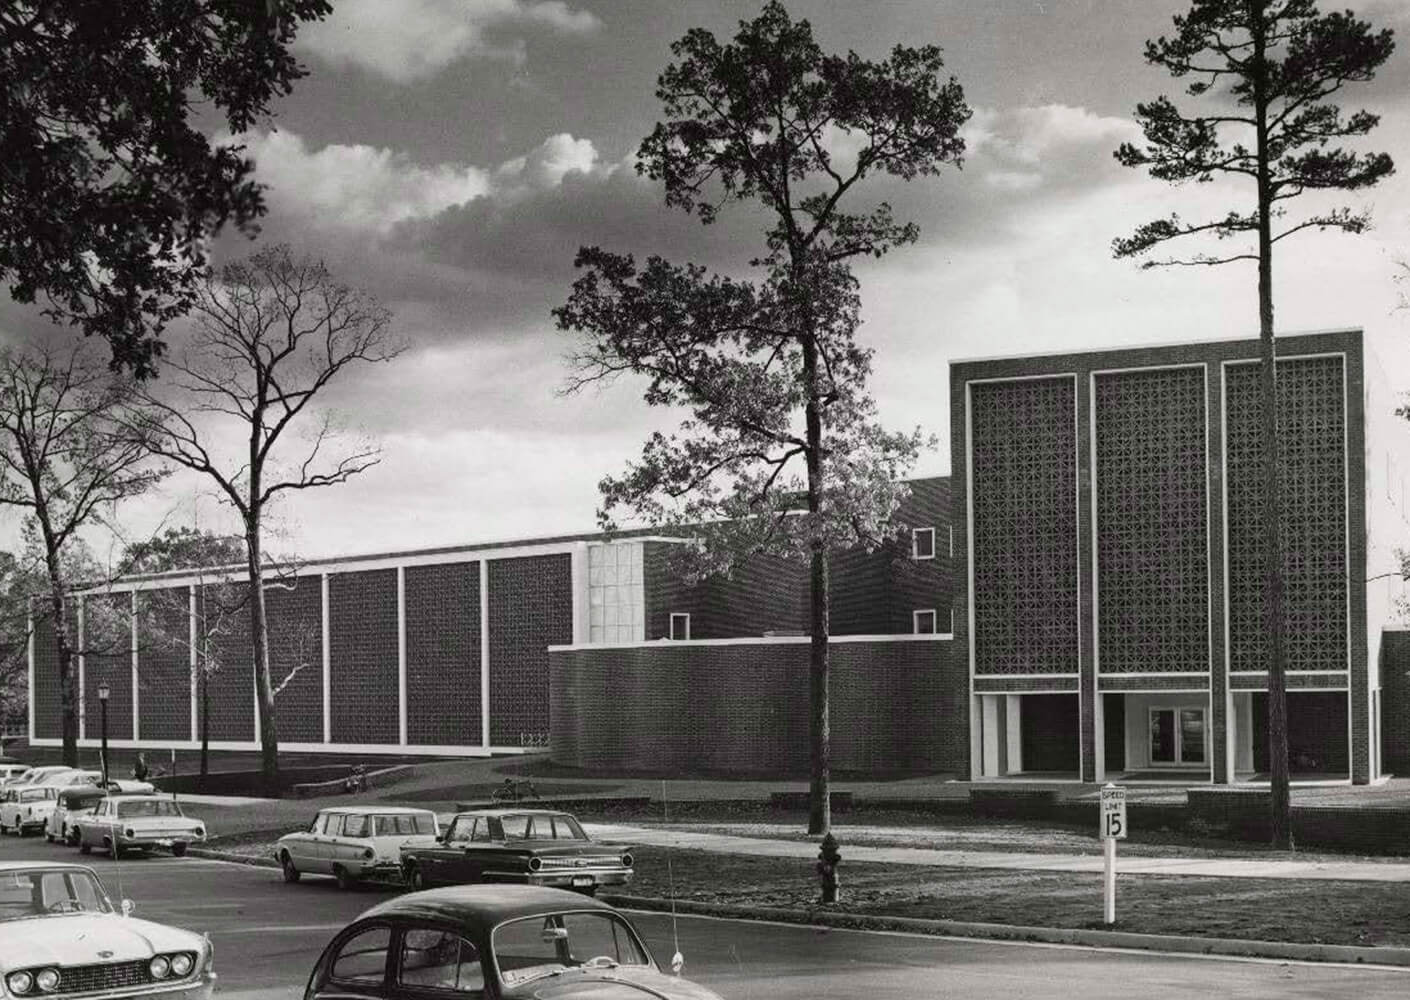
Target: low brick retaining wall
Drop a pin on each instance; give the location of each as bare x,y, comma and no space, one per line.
338,786
1243,814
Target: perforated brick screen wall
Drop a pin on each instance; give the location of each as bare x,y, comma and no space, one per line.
47,694
230,681
362,621
107,645
294,611
443,654
531,608
164,664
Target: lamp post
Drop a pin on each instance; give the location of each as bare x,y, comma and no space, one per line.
103,704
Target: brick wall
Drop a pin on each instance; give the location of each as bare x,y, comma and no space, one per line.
294,619
107,646
1395,701
46,693
164,664
743,708
362,675
230,684
443,654
530,608
762,594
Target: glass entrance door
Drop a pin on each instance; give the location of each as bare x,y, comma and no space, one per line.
1177,736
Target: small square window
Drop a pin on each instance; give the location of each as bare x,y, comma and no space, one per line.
922,543
680,626
923,622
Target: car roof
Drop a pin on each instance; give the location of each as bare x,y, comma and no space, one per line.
21,866
376,810
491,904
511,811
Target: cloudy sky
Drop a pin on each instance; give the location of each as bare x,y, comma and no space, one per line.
450,156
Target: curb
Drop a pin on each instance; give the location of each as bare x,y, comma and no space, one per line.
254,860
1293,951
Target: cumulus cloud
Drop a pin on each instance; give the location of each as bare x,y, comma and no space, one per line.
1028,148
414,39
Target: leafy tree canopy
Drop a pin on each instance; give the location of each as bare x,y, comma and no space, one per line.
108,190
183,547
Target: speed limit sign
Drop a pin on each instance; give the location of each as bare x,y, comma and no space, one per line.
1113,816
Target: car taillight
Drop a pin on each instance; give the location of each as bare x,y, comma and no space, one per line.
626,860
369,853
535,864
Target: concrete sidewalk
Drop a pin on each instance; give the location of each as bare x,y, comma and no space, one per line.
1346,871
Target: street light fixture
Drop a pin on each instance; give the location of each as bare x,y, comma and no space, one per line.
103,704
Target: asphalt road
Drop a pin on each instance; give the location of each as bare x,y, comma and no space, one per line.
268,934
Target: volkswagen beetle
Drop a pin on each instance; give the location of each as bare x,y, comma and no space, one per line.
61,936
493,942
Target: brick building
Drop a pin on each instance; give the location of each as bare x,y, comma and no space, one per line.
1080,599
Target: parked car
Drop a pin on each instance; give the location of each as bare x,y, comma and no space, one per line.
60,934
69,806
11,769
528,846
130,786
35,775
496,942
138,822
354,842
73,777
26,809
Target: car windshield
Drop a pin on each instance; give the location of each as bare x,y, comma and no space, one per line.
559,943
403,824
148,807
35,794
529,826
34,892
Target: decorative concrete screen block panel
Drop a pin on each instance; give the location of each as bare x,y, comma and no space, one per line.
443,655
294,610
48,694
531,608
229,678
743,707
1152,521
1024,494
616,598
164,663
107,656
1312,466
362,624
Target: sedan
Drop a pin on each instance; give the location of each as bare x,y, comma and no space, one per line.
69,808
61,935
26,809
138,822
493,942
527,846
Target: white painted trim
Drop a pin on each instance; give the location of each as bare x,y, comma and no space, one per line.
401,655
671,620
951,529
1151,691
1026,691
194,660
327,663
368,748
934,621
485,652
1077,546
136,680
1163,345
1027,677
1160,673
757,640
581,594
915,544
976,741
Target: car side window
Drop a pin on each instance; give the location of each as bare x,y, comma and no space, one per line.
355,825
459,831
482,831
362,958
440,960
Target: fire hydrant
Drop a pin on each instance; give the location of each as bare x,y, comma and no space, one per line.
828,860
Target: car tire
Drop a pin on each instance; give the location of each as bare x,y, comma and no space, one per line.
344,879
71,837
286,865
178,850
84,847
416,878
111,848
48,837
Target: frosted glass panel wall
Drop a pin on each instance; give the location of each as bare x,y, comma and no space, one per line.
616,602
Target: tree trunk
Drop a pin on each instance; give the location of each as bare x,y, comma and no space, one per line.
68,677
1280,821
819,726
259,642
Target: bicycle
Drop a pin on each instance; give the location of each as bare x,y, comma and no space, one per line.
515,790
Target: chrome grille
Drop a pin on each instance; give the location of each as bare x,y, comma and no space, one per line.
111,975
594,861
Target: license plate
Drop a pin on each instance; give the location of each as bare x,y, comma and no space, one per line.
582,880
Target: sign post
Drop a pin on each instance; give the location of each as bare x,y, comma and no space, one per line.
1111,829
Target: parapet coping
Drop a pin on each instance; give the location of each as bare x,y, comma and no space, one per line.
752,640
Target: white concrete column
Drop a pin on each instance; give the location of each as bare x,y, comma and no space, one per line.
485,653
82,665
401,654
1242,737
136,696
976,737
327,661
994,741
29,631
1013,728
1099,737
194,660
580,592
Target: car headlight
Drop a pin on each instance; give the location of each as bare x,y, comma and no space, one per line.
626,860
535,864
159,966
182,964
47,980
19,983
129,832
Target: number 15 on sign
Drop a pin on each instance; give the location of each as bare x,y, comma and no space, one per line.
1112,829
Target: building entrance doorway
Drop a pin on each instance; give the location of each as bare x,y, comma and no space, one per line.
1177,736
